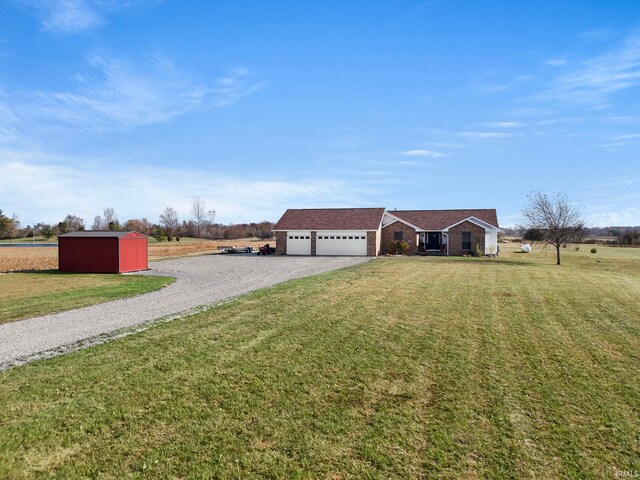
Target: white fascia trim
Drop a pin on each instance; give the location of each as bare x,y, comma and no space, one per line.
342,232
326,230
398,219
380,226
474,220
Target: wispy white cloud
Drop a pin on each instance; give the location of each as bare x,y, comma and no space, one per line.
490,88
422,153
594,81
236,85
116,94
621,118
486,84
613,201
627,216
415,163
485,135
503,124
621,141
554,121
556,62
73,185
627,136
76,16
597,34
445,145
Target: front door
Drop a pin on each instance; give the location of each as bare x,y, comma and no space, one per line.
433,241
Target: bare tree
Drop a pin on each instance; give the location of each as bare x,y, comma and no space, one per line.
555,217
70,223
169,220
75,223
97,223
199,213
110,220
109,216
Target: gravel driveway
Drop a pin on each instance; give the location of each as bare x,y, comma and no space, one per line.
201,281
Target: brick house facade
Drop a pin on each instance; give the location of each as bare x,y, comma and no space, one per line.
372,243
281,243
407,233
368,231
477,235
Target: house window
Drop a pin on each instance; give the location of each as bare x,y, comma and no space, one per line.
290,237
466,240
397,235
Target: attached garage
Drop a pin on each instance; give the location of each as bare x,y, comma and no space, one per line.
299,243
341,242
102,252
330,232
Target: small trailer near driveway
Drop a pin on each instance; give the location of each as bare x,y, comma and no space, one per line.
102,252
232,249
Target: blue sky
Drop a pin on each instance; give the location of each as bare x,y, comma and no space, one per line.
259,106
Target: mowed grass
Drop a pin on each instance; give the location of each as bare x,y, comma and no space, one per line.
398,368
31,294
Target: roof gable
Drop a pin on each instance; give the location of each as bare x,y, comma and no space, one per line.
330,219
475,221
395,219
441,219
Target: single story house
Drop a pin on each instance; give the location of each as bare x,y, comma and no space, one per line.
367,231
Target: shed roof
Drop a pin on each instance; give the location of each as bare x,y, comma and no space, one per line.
330,219
441,219
99,234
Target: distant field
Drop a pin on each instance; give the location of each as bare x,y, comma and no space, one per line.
414,367
21,258
193,246
38,239
46,258
25,295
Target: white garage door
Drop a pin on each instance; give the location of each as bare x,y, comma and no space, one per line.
298,243
341,243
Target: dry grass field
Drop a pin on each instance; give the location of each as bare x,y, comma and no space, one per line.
45,258
189,247
14,259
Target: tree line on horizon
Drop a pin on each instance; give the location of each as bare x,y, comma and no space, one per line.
201,224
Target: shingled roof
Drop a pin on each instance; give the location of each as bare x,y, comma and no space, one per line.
330,219
441,219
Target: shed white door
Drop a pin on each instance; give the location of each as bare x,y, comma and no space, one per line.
298,243
341,242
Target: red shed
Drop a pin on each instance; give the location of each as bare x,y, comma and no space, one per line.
102,252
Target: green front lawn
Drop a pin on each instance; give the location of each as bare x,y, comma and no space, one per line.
28,294
399,368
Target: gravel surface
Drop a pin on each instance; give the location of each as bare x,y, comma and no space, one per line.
201,281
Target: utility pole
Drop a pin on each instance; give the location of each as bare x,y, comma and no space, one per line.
212,216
